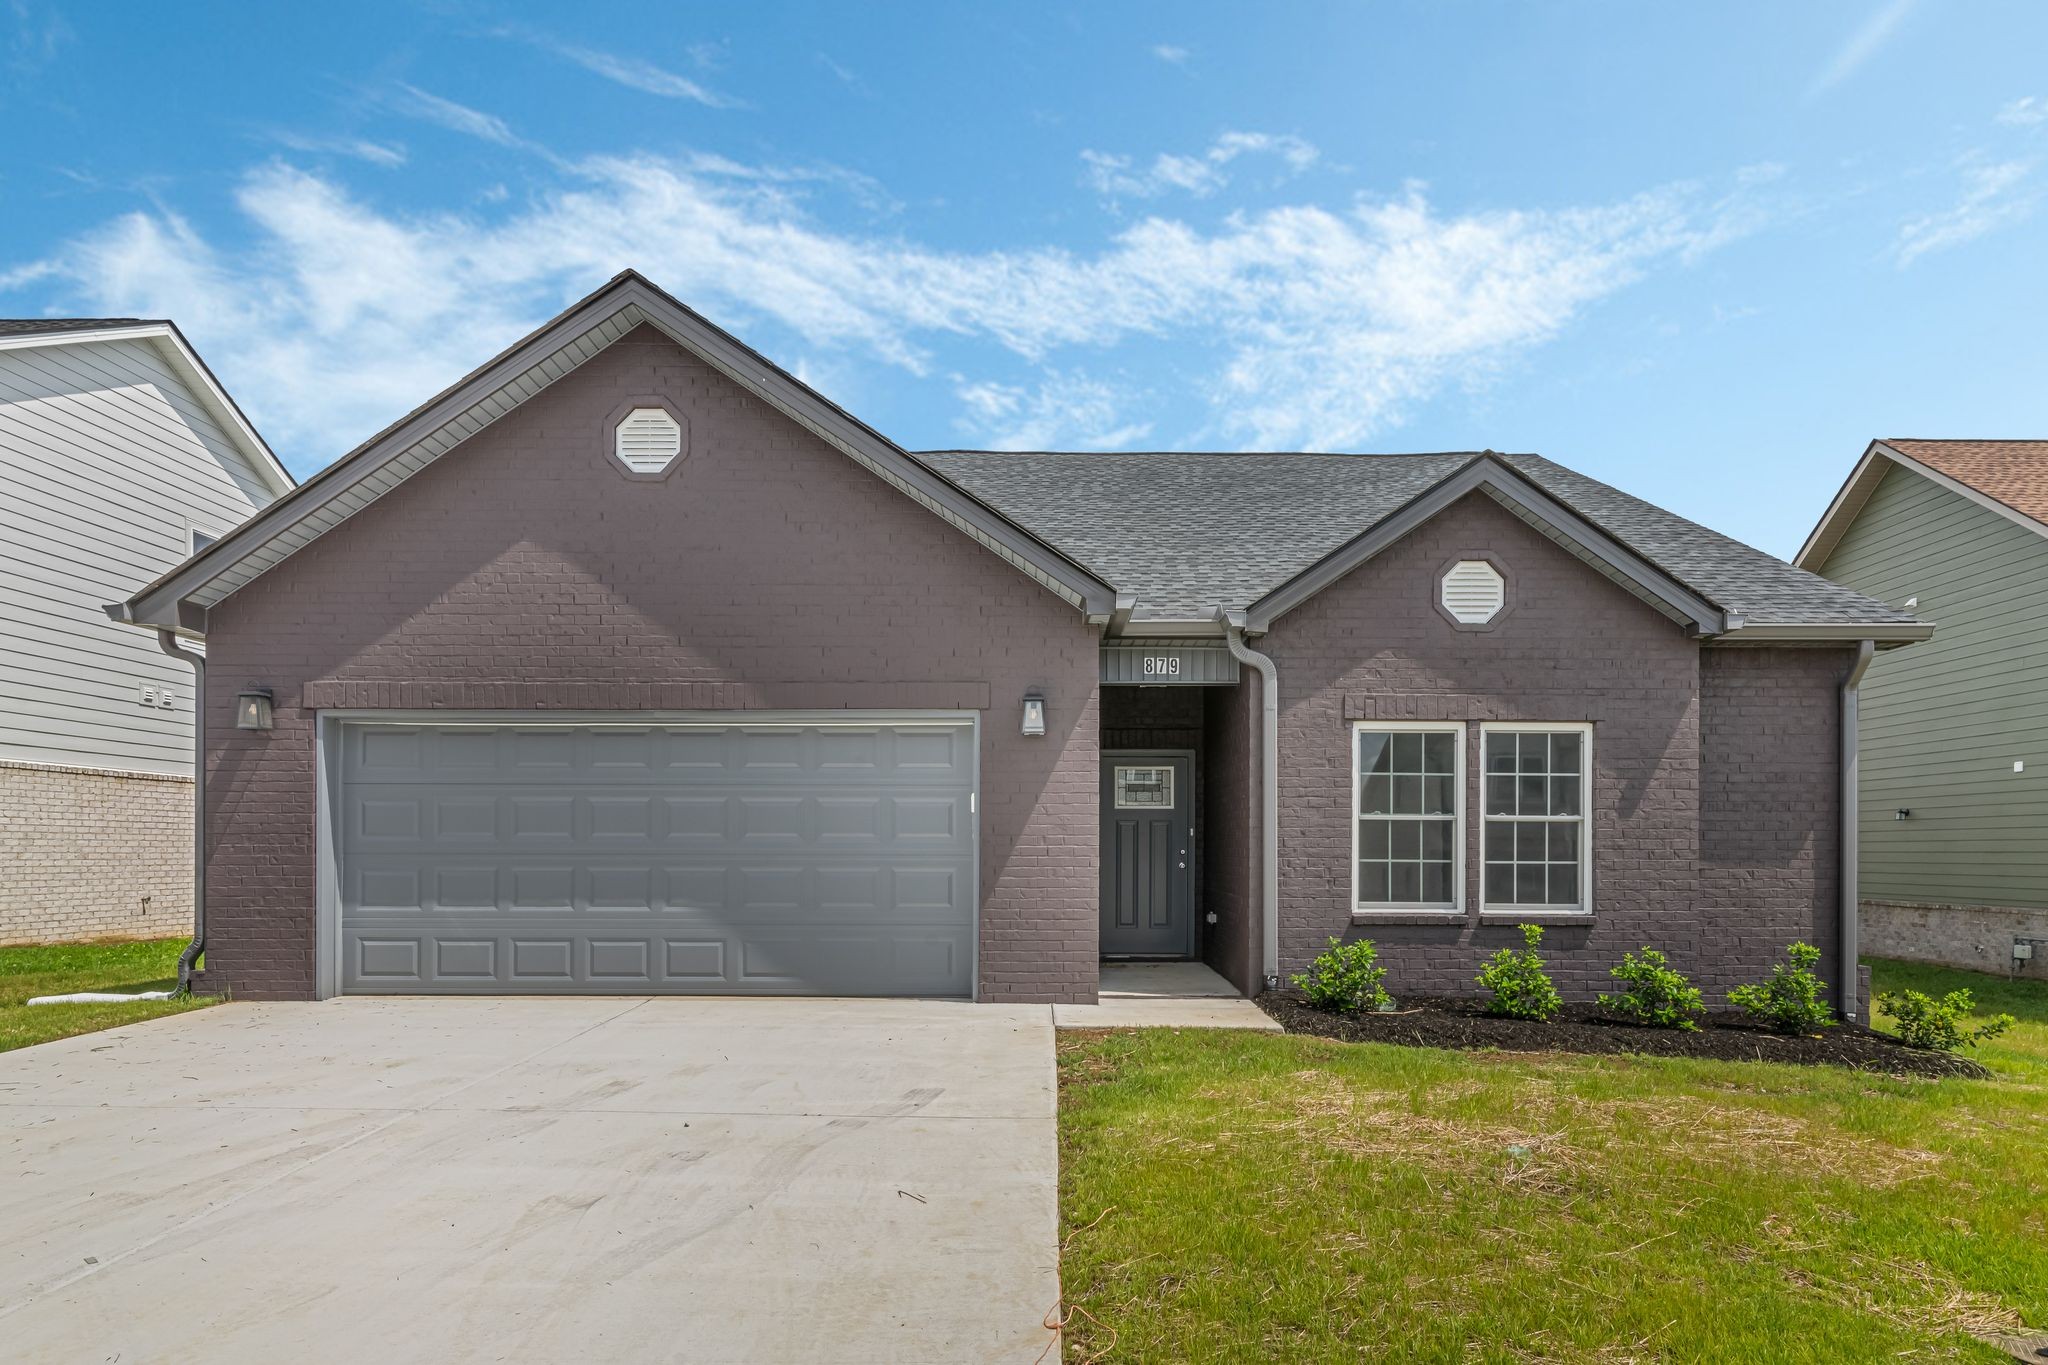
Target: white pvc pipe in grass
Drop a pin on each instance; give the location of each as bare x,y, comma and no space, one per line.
99,998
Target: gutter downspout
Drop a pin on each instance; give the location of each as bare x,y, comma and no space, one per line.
167,641
1851,703
1269,790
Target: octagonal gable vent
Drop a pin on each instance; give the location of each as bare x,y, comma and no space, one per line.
1473,592
648,440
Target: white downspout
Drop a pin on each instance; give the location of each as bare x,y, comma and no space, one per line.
1269,790
1851,704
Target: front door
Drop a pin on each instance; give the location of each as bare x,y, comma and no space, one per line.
1145,847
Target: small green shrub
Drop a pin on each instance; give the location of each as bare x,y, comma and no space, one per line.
1345,978
1794,1000
1657,995
1938,1024
1521,988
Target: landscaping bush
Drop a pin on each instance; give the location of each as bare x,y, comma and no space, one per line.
1938,1024
1521,988
1794,1000
1656,995
1345,978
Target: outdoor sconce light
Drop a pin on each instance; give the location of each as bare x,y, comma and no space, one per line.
252,709
1034,714
1901,813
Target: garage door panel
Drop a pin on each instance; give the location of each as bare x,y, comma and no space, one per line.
562,858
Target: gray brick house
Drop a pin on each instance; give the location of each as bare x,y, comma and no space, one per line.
631,664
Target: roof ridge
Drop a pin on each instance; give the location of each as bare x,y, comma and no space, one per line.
1221,454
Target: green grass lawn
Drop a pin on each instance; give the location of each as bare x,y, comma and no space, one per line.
1237,1196
61,968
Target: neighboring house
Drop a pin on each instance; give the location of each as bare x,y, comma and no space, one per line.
1955,733
119,455
631,664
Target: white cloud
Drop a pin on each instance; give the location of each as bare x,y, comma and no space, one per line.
1290,327
458,118
2024,112
361,149
1117,177
1171,53
644,76
1862,45
1060,412
1994,194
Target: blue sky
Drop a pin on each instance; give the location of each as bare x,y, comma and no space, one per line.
1702,252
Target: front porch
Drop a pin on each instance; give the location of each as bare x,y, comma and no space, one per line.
1178,839
1164,995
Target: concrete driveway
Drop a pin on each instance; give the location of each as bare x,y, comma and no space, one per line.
552,1180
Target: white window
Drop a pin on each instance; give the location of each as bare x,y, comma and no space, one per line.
1473,592
649,439
1144,788
202,539
1408,849
1536,792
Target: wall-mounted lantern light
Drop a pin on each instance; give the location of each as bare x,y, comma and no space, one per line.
1901,813
1034,713
252,709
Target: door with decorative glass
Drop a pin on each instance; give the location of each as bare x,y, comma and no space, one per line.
1147,840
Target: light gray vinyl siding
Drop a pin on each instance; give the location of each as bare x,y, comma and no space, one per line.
1944,721
108,462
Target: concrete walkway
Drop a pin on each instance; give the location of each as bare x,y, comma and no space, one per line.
544,1180
1164,995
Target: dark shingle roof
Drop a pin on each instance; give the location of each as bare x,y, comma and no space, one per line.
36,326
1189,532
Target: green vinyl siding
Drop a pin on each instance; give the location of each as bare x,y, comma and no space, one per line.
1944,721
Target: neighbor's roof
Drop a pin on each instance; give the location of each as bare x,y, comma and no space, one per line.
2014,472
163,337
2008,477
38,326
1188,532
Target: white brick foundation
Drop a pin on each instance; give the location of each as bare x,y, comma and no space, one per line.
89,853
1978,937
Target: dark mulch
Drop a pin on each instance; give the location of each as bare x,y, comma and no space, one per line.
1463,1024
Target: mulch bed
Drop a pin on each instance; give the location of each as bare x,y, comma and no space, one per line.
1430,1022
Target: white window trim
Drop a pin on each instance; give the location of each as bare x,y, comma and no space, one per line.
1460,780
1586,807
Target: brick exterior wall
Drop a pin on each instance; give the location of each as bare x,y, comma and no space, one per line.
523,570
89,853
1718,860
1770,832
1978,938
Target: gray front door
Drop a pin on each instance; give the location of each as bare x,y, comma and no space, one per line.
1145,855
759,858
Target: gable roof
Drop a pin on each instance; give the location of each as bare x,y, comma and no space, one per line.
40,326
163,336
2007,477
1186,533
181,598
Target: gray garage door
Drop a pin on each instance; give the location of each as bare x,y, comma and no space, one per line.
769,858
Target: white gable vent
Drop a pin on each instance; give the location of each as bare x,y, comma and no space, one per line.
648,440
1473,592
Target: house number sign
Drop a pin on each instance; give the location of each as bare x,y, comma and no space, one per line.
1161,663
